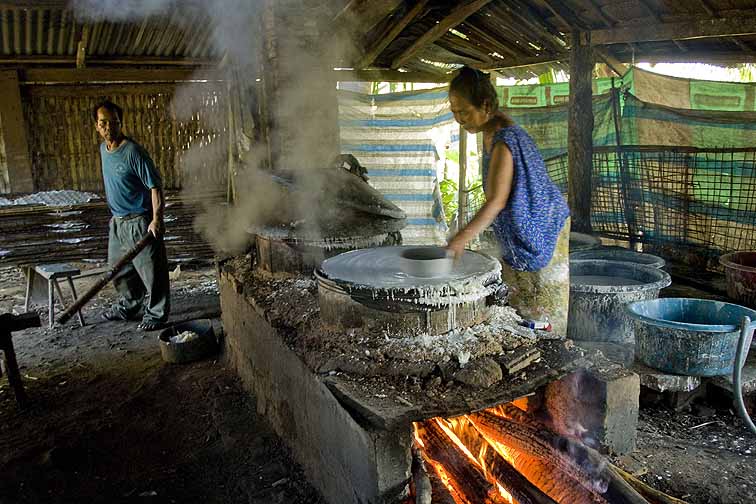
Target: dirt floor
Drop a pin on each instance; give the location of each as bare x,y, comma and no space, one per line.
109,421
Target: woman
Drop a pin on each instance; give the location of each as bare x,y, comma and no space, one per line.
529,216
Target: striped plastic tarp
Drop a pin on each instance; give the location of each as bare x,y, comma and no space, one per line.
394,136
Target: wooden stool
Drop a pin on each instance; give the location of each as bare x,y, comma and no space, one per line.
52,272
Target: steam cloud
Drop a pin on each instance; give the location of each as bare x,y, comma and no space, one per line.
302,86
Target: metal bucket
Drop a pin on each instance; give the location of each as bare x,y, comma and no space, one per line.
597,304
740,271
203,345
696,337
619,254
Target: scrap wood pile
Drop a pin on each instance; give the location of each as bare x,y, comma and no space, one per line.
35,234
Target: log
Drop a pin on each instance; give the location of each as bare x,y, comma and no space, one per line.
423,491
468,485
647,491
497,467
545,474
580,462
102,282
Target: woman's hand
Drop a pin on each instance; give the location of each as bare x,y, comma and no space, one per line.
457,246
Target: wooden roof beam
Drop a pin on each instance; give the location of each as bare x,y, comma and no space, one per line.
385,39
712,13
455,17
683,30
496,44
565,14
389,75
658,19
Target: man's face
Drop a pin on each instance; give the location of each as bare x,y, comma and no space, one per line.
108,124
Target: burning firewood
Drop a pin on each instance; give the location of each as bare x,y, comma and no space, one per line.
463,480
497,467
580,462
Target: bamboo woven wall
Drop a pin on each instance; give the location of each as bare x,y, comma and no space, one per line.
64,145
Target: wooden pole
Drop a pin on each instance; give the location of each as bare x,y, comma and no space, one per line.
18,166
103,281
580,133
462,185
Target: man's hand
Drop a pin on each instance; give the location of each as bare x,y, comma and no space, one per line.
157,228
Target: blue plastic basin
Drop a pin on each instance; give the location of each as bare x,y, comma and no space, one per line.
696,337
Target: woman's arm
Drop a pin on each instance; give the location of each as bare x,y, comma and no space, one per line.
500,174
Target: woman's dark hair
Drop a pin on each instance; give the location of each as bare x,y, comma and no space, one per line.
476,87
108,105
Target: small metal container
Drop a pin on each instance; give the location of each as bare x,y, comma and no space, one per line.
426,262
203,345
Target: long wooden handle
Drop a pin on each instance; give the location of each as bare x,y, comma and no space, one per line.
102,282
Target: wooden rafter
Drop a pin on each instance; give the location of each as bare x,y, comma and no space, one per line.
565,14
389,75
657,18
712,13
692,56
684,30
496,44
529,23
455,17
386,38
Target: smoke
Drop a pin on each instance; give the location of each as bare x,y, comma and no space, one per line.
291,66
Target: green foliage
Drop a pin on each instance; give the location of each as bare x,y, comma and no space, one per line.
548,77
452,155
449,197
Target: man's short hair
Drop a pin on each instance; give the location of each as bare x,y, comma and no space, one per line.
108,105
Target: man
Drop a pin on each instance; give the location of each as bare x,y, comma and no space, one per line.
134,192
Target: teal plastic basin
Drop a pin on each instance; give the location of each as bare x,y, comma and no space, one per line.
696,337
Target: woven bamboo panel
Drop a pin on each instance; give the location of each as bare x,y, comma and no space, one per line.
64,144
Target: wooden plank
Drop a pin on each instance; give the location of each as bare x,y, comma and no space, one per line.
455,17
565,14
13,134
384,41
366,14
115,75
721,57
580,134
81,50
389,75
684,30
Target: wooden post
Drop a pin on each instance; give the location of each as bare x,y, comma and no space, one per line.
231,89
462,201
580,133
13,135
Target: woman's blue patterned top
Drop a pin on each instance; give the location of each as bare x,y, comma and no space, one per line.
528,227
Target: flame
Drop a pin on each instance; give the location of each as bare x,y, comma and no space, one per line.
479,461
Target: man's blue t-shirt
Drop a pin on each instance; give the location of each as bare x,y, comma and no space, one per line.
129,174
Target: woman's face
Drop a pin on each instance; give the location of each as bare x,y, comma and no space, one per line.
470,117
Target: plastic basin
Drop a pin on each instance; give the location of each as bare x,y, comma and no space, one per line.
599,291
740,272
696,337
619,254
205,344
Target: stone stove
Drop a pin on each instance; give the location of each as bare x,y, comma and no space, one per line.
345,395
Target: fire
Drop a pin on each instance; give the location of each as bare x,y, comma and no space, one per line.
477,461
